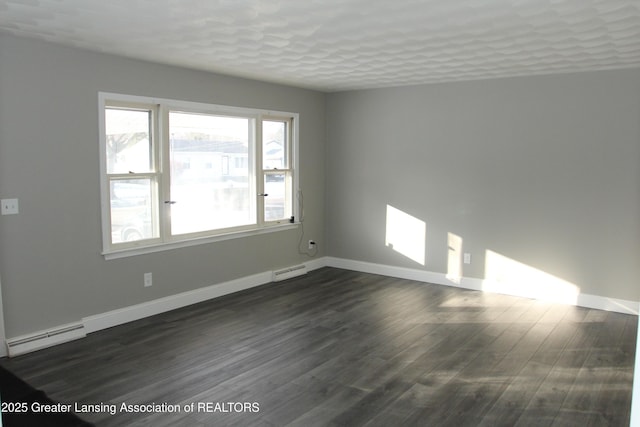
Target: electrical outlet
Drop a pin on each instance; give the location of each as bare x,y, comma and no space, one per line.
9,206
312,244
148,280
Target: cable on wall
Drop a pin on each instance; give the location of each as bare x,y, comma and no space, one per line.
308,252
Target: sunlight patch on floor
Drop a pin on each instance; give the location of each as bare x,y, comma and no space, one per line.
508,276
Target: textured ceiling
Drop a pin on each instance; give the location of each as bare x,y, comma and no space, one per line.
335,45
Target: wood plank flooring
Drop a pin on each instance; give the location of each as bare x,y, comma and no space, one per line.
341,348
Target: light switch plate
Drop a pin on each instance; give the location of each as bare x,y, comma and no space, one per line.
9,206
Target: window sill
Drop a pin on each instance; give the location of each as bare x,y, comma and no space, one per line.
167,246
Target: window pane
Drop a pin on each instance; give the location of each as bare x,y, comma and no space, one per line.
128,138
277,204
209,172
131,210
274,145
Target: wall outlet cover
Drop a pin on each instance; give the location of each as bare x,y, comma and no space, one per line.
9,207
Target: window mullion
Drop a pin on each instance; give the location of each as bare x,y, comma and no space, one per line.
259,174
164,165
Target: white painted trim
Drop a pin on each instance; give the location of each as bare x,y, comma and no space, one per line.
167,246
139,311
316,263
162,305
608,304
387,270
50,337
635,396
160,108
582,300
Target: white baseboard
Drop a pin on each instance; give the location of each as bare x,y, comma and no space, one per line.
316,263
173,302
608,304
50,337
123,315
581,300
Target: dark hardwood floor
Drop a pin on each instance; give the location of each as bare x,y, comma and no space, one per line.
340,348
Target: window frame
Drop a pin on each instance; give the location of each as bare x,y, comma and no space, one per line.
161,107
287,169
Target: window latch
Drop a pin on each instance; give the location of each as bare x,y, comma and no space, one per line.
263,194
169,202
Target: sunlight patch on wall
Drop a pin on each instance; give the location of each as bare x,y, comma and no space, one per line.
406,234
508,276
454,258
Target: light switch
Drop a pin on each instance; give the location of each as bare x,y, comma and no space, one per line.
9,206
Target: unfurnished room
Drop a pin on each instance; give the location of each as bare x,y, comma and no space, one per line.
319,213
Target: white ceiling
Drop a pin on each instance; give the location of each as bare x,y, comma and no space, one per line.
335,45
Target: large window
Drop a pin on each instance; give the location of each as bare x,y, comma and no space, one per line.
176,172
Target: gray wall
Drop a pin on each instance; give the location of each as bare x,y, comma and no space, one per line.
50,262
542,170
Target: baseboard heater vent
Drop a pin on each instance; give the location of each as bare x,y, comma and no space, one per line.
28,343
290,272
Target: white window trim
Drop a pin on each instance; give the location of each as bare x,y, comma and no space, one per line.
145,247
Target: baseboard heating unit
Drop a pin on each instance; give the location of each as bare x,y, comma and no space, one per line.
287,273
25,344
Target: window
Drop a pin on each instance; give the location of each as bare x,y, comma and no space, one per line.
177,173
276,168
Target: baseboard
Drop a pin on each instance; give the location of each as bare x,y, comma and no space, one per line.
61,334
173,302
608,304
316,263
386,270
582,300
